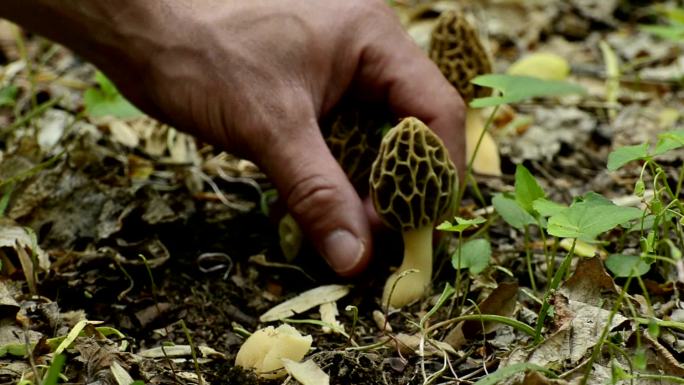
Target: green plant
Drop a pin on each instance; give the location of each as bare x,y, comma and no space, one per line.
674,27
105,100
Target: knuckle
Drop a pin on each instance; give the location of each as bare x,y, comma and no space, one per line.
312,195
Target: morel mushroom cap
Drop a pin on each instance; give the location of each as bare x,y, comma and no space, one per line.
412,179
459,54
353,134
412,184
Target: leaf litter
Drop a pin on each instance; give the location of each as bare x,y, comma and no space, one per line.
105,218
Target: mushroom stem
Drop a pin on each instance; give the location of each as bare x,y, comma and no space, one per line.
417,255
487,159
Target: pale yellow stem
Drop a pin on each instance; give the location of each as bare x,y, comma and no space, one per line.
417,255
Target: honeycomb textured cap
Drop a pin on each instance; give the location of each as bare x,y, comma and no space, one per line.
412,180
353,135
459,54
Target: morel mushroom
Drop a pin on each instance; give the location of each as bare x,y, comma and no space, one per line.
352,133
413,183
459,54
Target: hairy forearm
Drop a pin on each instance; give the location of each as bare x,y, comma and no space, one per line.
96,30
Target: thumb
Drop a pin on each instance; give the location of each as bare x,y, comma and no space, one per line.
319,196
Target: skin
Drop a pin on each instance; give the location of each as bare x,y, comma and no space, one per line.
254,77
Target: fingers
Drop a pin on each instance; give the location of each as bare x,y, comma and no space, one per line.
319,195
395,69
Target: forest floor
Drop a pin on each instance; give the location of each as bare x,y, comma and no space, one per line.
158,240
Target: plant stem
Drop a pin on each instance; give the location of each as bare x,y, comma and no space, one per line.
469,168
528,257
552,287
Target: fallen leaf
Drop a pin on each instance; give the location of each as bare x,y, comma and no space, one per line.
307,372
180,351
120,374
501,301
16,237
329,315
305,301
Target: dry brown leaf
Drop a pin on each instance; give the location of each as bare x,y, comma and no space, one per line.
501,301
21,239
590,283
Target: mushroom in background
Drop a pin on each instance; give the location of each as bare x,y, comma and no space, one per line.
459,54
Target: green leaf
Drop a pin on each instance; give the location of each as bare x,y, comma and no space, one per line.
670,32
589,218
623,155
594,199
446,294
106,100
645,224
527,190
518,88
617,373
461,224
547,208
511,370
512,212
55,369
623,266
8,95
653,328
640,361
669,140
475,256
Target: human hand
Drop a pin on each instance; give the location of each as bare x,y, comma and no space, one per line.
255,77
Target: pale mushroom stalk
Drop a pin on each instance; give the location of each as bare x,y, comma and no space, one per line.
412,184
418,256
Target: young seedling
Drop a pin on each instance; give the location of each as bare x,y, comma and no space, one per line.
412,184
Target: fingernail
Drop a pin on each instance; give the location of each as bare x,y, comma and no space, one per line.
342,250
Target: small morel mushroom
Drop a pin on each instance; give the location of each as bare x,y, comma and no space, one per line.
413,183
459,54
352,133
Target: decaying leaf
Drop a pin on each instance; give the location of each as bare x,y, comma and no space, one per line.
329,315
8,305
180,351
590,284
501,301
21,239
582,309
305,301
659,359
552,128
120,374
307,372
409,344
